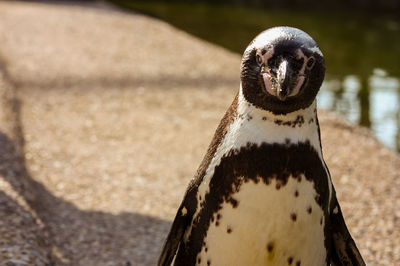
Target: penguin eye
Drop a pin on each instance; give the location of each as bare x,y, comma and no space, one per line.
310,62
259,59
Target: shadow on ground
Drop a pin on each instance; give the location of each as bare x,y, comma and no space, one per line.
101,234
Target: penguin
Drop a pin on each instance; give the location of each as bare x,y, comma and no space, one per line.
263,194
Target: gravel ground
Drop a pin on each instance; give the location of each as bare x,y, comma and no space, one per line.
107,116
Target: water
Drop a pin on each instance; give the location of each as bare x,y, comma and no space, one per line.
362,53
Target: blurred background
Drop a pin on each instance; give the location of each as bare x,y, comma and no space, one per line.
360,40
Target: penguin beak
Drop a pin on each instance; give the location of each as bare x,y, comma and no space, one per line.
286,83
283,81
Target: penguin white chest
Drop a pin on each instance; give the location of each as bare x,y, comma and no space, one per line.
269,224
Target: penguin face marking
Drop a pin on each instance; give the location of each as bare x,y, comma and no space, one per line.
282,70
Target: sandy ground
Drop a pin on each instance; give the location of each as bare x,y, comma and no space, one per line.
105,117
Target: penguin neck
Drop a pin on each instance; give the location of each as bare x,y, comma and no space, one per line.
256,126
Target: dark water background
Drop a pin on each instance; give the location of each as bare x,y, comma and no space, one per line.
362,52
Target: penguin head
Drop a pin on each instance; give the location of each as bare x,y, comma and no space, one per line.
282,70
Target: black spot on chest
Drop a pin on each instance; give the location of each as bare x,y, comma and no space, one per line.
258,164
270,246
299,121
234,202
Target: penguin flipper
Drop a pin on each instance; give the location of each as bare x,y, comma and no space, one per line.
344,251
174,238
